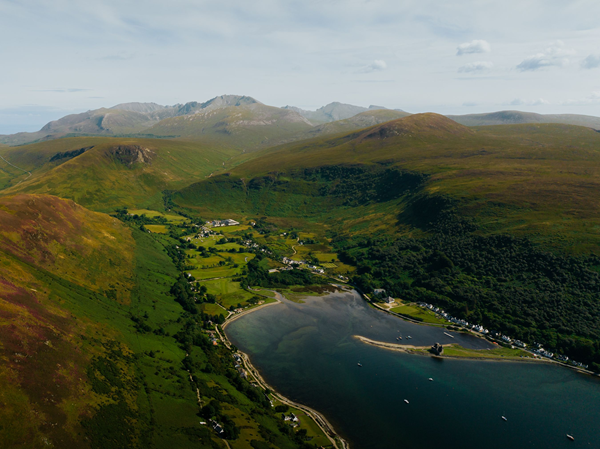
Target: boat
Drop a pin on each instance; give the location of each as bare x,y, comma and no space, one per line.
359,364
449,335
409,337
431,379
406,400
570,437
504,418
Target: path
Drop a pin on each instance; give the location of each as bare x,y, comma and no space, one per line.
18,168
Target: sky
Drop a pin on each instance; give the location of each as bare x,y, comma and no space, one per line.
450,57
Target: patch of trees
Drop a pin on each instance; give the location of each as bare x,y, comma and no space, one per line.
505,283
69,154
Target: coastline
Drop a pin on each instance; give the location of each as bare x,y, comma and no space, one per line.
336,440
489,359
418,350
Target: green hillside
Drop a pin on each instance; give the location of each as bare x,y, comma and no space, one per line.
534,180
104,173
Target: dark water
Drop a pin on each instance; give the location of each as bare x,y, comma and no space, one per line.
306,351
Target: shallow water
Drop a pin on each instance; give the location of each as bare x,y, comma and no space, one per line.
307,352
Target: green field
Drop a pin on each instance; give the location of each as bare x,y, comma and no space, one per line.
414,311
171,218
158,229
496,353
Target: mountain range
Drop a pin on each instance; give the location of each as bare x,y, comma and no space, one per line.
238,121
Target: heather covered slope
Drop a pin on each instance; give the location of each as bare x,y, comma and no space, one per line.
104,173
51,250
95,352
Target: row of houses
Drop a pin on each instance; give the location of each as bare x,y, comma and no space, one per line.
476,327
539,350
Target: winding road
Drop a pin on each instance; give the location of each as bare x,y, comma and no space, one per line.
18,168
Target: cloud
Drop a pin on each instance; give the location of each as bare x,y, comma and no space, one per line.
476,46
474,67
521,102
376,66
69,90
553,56
591,62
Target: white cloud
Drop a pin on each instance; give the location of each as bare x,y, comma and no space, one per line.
521,102
591,62
553,56
376,66
473,67
475,46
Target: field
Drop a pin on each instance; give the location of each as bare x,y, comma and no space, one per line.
418,313
158,229
496,353
171,218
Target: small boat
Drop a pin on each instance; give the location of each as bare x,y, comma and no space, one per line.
504,418
406,400
409,337
570,437
449,335
431,379
359,364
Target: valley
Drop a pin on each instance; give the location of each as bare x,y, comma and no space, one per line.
119,278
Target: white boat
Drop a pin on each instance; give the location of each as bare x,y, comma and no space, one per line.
449,335
409,337
504,418
431,379
359,364
406,400
570,437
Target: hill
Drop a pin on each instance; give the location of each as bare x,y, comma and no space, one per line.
105,173
332,112
358,121
541,179
518,117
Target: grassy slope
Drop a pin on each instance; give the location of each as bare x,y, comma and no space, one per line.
98,180
539,180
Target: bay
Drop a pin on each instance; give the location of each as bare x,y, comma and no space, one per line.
308,353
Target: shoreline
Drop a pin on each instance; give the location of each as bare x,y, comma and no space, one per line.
325,426
410,320
410,349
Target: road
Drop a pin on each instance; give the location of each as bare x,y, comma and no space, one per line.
18,168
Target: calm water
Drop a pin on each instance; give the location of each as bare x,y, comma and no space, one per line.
306,351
